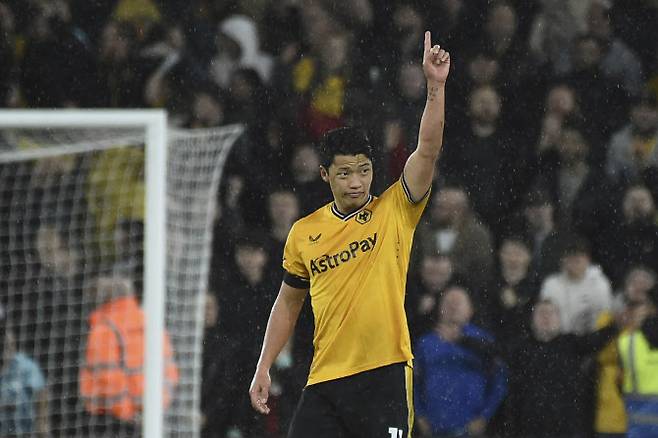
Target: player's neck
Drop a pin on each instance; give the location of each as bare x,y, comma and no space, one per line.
349,210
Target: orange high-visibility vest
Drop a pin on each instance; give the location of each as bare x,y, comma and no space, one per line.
112,378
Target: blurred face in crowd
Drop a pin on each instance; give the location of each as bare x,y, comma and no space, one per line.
449,207
283,207
115,42
407,19
54,252
514,256
644,118
350,178
483,69
587,54
637,283
251,261
305,163
207,111
484,105
412,82
572,147
501,22
455,307
539,216
334,54
575,264
546,320
436,271
639,205
318,23
561,100
242,86
598,20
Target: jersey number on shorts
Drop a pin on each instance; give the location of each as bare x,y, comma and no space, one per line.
395,432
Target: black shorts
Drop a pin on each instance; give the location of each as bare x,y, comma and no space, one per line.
371,404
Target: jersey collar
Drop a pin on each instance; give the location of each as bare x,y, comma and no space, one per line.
345,217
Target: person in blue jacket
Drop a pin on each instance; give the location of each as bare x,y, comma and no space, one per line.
459,383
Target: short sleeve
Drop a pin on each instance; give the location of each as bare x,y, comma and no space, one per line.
296,273
410,210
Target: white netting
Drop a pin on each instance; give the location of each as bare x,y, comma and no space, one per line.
72,210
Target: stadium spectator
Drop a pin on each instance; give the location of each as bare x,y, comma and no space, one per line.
580,290
610,419
48,335
303,175
513,292
283,210
638,350
209,109
635,239
486,161
637,283
122,74
502,39
23,393
560,107
550,358
452,229
400,130
58,66
555,26
540,227
238,46
111,377
218,374
618,62
599,100
633,150
580,191
458,384
245,300
424,292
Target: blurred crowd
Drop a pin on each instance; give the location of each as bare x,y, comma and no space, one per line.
538,252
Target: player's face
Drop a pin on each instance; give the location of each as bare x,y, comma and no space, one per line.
349,177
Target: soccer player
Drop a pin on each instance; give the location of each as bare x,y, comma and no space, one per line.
352,256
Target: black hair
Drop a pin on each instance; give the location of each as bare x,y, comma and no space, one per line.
575,245
343,141
517,238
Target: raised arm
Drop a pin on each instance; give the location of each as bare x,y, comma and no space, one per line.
419,169
282,321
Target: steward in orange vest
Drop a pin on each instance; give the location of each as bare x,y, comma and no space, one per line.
112,376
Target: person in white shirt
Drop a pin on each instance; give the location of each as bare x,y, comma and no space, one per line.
580,290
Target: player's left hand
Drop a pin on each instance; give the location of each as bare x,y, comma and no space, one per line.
436,61
259,391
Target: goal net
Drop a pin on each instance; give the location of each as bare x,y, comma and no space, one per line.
73,211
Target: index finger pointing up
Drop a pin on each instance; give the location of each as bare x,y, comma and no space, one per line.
428,43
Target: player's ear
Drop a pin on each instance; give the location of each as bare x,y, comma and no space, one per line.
324,174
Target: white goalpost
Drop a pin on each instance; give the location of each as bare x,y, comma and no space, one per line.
180,178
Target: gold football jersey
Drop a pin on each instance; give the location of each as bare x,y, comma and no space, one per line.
356,266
